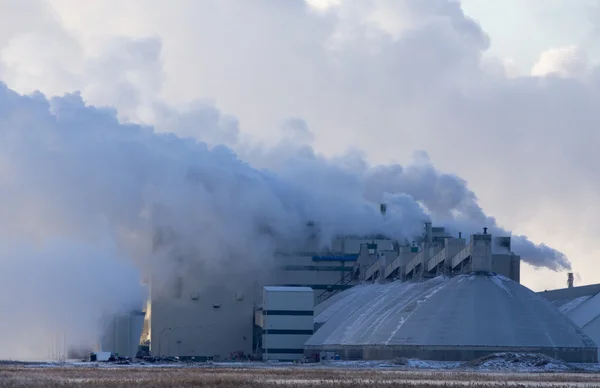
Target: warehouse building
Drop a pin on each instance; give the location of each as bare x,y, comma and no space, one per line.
580,304
454,318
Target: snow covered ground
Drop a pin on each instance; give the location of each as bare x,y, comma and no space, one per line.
501,371
501,362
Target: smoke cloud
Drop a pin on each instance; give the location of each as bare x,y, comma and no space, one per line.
60,291
91,205
94,204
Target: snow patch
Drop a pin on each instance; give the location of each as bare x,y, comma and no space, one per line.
403,319
519,362
568,305
500,283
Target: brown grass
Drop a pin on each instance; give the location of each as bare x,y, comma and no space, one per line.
221,377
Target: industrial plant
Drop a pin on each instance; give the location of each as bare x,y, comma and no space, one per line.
440,297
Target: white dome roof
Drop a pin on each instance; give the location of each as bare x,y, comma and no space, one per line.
467,310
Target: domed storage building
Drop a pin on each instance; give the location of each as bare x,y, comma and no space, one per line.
455,319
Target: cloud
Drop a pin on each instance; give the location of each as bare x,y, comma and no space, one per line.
384,77
565,62
91,205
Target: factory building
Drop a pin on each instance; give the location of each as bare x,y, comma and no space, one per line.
580,304
331,271
218,321
454,318
439,253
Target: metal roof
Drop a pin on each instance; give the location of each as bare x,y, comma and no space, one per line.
466,310
288,289
568,299
347,301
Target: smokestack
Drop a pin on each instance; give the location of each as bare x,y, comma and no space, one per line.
428,232
484,230
570,280
383,208
459,234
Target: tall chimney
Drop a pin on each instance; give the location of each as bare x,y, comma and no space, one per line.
383,208
484,230
428,232
570,280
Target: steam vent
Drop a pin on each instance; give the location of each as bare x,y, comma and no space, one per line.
454,319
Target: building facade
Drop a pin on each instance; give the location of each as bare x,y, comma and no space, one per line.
286,322
581,305
219,317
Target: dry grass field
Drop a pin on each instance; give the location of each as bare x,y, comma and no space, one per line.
223,377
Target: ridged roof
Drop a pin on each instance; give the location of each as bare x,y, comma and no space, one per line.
467,310
568,299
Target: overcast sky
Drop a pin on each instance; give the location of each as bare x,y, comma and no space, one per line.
503,93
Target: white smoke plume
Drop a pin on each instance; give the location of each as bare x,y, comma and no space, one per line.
73,170
83,195
60,291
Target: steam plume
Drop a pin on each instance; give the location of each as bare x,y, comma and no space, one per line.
84,196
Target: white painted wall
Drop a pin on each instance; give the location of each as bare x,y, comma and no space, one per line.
287,302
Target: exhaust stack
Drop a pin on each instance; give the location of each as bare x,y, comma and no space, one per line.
570,280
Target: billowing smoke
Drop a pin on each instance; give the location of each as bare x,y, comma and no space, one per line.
452,204
60,291
90,206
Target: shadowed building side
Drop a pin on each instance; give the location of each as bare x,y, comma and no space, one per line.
123,334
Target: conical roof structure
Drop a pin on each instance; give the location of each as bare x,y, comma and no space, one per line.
459,318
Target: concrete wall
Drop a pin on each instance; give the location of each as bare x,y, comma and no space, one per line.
212,323
481,252
508,265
